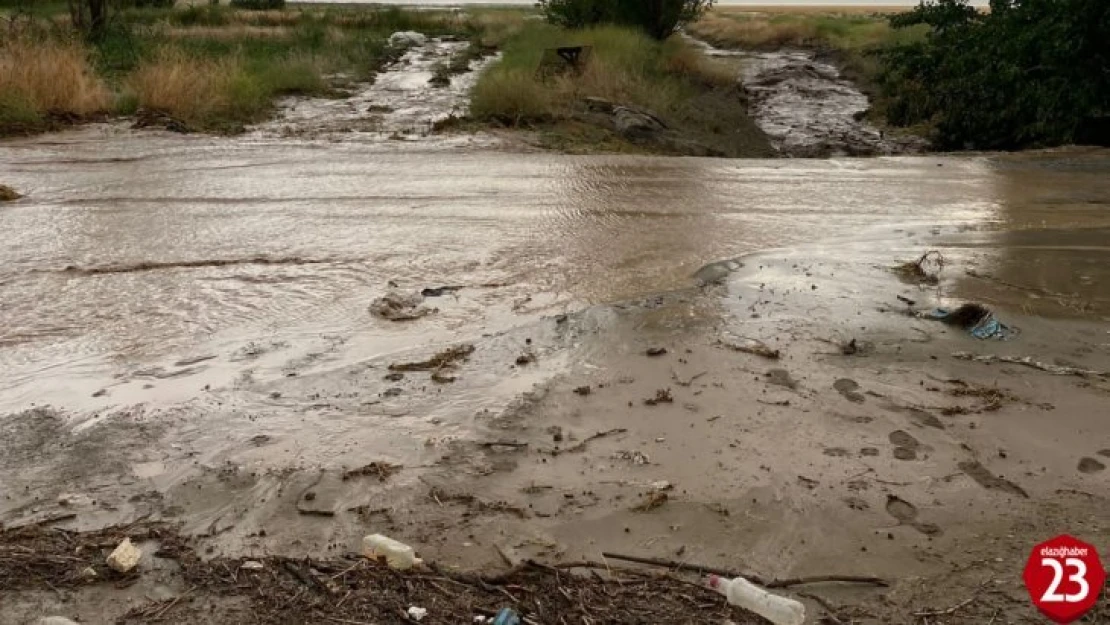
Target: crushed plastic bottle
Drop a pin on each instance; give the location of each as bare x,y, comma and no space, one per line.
506,617
740,592
397,554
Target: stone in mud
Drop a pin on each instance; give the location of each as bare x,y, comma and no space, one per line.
781,377
398,306
904,453
8,194
988,480
633,124
902,438
407,39
125,557
1090,465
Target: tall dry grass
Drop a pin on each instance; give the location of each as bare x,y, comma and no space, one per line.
39,76
184,86
753,31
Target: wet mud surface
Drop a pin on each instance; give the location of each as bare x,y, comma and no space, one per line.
705,360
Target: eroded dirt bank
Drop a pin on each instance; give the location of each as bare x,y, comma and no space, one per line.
161,360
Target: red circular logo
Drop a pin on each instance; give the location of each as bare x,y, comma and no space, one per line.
1064,577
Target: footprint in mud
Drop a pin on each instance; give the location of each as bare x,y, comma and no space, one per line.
836,452
906,445
906,514
988,480
918,415
1104,452
1090,465
781,377
869,451
849,388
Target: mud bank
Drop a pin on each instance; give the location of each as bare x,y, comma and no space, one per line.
264,411
808,110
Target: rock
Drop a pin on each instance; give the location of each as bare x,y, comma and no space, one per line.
8,194
600,105
125,557
633,124
72,499
407,39
252,565
398,306
417,614
89,574
1090,465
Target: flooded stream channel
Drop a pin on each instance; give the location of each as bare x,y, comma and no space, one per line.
185,333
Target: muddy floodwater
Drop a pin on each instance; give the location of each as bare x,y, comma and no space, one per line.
185,332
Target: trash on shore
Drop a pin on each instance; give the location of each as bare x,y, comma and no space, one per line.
977,319
417,613
506,616
740,592
651,501
125,557
924,270
381,470
396,554
8,194
398,306
252,565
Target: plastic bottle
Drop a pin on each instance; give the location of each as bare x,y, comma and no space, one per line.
740,592
397,554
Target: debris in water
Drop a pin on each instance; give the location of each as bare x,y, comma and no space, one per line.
1029,362
924,270
582,390
656,351
439,290
8,194
752,346
446,358
978,320
662,396
397,306
850,348
381,470
635,457
651,501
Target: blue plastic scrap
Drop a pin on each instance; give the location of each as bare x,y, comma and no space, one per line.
506,617
987,327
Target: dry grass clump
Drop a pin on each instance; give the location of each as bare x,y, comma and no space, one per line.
183,86
753,31
48,76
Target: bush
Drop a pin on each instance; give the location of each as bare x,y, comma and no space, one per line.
39,77
1028,73
658,18
258,5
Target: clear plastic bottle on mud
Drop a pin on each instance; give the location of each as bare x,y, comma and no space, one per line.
740,592
397,554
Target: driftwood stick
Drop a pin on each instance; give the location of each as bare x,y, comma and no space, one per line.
778,583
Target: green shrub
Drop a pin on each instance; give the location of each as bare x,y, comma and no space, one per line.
1028,73
658,18
258,5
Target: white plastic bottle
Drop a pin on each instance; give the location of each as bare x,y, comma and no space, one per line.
740,592
397,554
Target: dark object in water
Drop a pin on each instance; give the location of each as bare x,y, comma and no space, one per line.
966,316
977,319
439,290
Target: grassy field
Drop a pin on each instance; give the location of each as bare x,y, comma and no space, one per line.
212,67
672,79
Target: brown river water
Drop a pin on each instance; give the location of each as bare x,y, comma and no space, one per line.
185,331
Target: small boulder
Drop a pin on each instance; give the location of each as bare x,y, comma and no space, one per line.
407,39
398,306
8,194
634,124
125,557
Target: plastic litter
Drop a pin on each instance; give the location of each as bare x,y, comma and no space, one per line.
417,614
397,554
506,617
978,320
740,592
